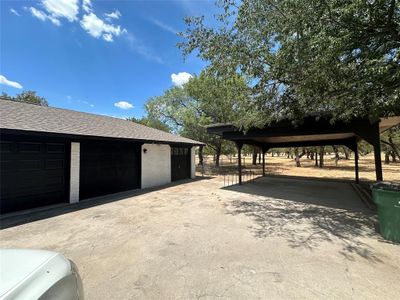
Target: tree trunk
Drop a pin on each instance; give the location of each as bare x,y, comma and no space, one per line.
346,153
393,154
254,155
321,156
201,156
387,161
297,158
217,156
394,147
335,149
316,159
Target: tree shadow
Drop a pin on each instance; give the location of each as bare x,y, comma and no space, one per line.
308,214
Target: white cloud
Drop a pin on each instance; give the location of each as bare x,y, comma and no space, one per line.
62,9
5,81
181,78
164,26
113,15
87,6
12,10
53,20
96,27
43,16
123,105
38,14
53,10
108,37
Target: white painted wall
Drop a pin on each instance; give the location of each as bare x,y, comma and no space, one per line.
193,162
74,171
156,165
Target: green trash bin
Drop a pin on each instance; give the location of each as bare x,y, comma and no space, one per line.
386,195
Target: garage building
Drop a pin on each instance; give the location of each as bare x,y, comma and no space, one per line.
51,156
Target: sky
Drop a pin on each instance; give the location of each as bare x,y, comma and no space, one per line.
102,57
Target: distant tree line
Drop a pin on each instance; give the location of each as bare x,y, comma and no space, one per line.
28,97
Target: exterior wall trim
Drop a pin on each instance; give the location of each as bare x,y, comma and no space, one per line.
193,162
74,173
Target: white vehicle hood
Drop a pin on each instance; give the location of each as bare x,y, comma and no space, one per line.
22,268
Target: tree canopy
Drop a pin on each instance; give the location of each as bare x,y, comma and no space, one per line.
27,97
151,122
302,57
204,100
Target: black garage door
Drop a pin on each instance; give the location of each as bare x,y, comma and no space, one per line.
108,167
33,173
180,163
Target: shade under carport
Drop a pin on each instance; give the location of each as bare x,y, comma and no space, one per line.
310,132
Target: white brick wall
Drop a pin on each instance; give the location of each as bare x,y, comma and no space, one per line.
193,162
156,165
74,177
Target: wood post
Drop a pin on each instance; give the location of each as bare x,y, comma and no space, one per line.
239,146
264,150
371,134
263,163
356,162
378,161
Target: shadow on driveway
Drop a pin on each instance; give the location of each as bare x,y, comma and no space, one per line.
307,213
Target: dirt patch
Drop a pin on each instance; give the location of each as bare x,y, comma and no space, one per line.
282,165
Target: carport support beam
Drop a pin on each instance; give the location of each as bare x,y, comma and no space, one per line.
264,150
370,133
356,163
378,161
239,146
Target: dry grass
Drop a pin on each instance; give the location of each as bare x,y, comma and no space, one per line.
343,170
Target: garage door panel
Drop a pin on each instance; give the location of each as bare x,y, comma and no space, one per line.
31,175
55,148
6,147
55,164
6,166
29,147
55,181
180,163
29,165
108,167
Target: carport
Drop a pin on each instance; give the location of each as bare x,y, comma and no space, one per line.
310,132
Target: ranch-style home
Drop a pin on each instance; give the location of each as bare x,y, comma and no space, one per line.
51,155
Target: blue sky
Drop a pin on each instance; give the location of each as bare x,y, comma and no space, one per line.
101,57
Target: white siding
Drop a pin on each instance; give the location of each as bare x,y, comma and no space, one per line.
74,171
156,165
193,162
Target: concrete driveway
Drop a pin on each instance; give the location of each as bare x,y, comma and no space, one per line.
272,238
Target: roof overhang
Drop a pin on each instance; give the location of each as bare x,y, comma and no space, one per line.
310,132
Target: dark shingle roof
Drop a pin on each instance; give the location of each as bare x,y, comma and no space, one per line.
29,117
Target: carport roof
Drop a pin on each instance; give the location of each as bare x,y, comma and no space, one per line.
310,132
19,116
